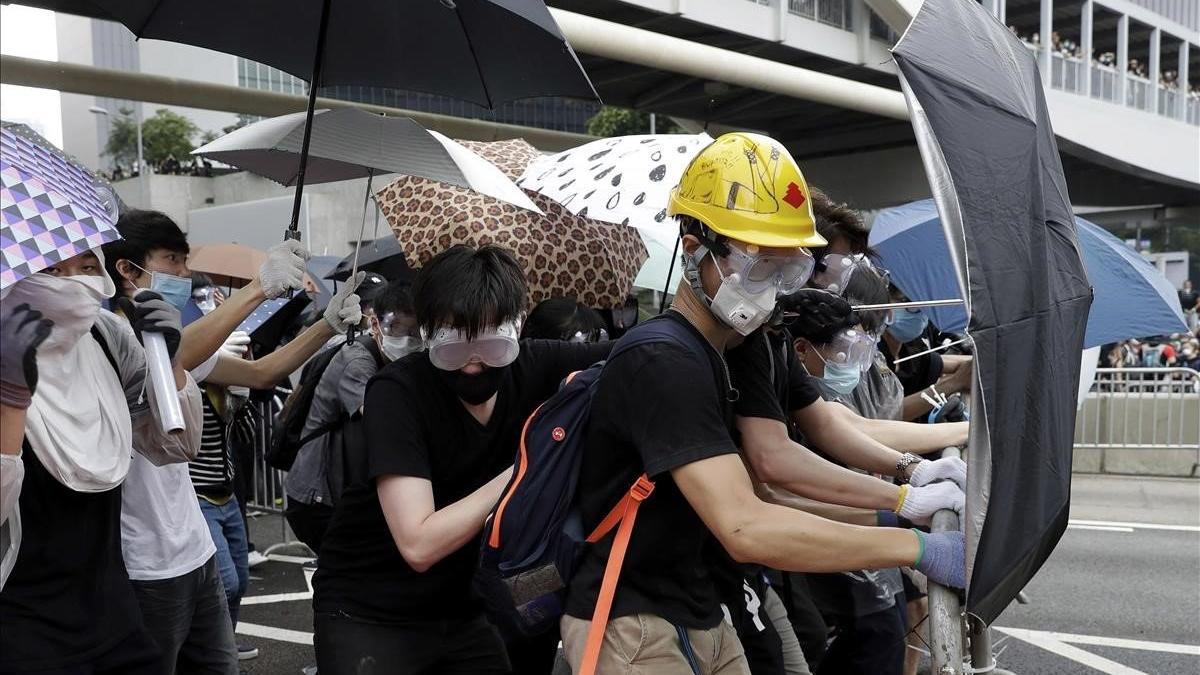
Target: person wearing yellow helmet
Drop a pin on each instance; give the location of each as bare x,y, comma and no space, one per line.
662,410
743,202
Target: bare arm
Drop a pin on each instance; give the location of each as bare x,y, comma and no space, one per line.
269,370
777,459
205,335
906,436
841,514
915,406
425,536
720,491
838,435
12,429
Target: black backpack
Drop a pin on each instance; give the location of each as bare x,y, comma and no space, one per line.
288,435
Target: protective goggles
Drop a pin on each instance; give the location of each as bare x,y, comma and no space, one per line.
760,271
850,347
398,325
449,348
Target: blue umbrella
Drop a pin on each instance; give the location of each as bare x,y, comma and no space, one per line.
1132,299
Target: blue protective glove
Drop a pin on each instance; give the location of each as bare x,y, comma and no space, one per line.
943,558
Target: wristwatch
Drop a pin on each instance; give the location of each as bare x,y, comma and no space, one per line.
906,460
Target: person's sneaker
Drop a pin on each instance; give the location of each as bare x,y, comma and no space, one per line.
247,652
256,558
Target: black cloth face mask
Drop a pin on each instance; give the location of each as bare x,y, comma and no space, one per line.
474,389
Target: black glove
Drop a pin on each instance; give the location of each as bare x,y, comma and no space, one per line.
149,313
952,411
21,332
815,314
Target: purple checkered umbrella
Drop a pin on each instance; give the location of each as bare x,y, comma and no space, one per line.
50,209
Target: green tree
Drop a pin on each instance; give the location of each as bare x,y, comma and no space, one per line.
614,121
168,133
208,137
122,138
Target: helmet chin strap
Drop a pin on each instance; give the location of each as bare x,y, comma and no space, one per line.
691,272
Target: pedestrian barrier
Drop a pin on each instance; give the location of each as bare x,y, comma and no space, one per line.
1131,411
265,493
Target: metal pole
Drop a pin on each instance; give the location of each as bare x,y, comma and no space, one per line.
945,612
293,231
140,160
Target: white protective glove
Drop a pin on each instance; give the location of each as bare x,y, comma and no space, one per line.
920,503
237,343
947,468
284,269
344,311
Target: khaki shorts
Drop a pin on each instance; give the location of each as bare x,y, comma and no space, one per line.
644,644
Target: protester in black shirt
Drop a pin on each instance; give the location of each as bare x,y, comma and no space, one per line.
441,428
665,408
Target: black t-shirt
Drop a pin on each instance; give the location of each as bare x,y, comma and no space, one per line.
1187,300
68,599
657,407
769,379
915,374
415,425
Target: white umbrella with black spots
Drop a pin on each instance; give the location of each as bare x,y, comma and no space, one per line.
625,180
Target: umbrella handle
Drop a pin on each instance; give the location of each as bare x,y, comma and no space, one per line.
662,305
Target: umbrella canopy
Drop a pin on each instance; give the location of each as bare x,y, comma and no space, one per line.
1012,242
626,179
383,256
236,261
108,194
1133,299
50,208
475,50
267,324
350,143
562,254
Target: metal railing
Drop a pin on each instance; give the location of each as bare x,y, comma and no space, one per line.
1137,92
945,611
1066,73
1168,101
1140,409
1104,83
265,492
836,13
1193,110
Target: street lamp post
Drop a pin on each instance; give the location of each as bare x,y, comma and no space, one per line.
97,110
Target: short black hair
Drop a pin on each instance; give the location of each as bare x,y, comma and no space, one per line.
469,289
713,241
867,286
396,298
838,220
201,280
562,319
142,232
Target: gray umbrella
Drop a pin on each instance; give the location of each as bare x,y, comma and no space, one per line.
346,143
984,133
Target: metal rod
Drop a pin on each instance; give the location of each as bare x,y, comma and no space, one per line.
911,305
662,305
945,613
982,659
930,351
293,231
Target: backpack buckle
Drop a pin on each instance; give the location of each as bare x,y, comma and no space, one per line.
641,488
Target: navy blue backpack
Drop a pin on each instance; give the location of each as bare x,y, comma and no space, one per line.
533,540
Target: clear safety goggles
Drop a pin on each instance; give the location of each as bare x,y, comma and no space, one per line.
760,271
449,348
850,347
392,324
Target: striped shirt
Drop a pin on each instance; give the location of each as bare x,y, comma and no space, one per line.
212,470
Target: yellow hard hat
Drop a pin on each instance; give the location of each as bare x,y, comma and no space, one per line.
748,188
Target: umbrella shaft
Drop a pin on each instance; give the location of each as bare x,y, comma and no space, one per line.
907,305
318,59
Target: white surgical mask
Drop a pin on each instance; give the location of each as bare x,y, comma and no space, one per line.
72,303
396,347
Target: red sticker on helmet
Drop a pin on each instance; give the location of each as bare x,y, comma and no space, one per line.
794,196
558,434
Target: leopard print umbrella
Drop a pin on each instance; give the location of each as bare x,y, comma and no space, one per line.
562,254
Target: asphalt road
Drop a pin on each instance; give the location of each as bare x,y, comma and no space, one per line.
1120,595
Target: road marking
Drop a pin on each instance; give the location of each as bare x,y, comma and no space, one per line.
276,597
282,634
1137,526
1042,639
1100,528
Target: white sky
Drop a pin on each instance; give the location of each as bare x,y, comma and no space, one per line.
30,33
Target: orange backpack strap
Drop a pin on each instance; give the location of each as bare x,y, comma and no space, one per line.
624,514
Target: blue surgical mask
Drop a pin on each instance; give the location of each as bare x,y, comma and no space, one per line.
908,325
839,380
173,289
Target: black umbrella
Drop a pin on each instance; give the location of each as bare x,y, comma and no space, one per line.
382,256
984,132
484,51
